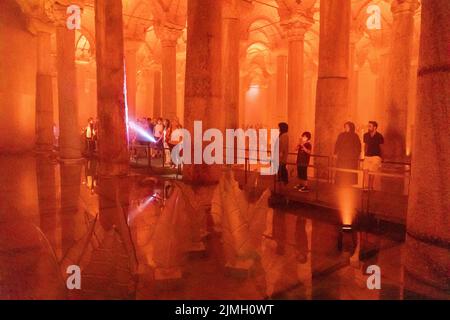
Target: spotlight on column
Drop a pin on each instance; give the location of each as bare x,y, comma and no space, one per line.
346,228
347,240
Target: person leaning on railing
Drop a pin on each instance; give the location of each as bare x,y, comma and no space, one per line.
347,151
372,152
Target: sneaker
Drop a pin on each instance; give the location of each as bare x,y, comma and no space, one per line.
304,189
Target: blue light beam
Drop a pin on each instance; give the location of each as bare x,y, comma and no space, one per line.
135,127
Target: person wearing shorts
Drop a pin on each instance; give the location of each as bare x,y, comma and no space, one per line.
372,151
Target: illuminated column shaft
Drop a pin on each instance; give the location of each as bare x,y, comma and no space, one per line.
169,79
230,70
203,80
427,258
355,36
112,131
281,114
399,75
157,94
296,108
168,35
69,127
131,48
44,93
333,82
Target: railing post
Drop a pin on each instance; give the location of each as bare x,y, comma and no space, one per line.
245,169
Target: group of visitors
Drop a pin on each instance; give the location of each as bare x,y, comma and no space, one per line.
90,135
165,135
347,152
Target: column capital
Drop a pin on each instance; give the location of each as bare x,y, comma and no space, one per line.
404,7
59,10
36,26
168,34
297,25
132,45
39,18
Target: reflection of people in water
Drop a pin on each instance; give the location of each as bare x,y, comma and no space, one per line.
91,174
347,151
301,240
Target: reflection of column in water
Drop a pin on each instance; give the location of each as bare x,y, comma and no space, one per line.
169,239
28,267
71,218
46,188
325,259
279,258
303,237
113,212
196,212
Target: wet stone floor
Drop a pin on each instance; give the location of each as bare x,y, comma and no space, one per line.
141,237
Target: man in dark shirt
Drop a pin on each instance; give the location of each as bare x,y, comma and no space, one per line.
372,150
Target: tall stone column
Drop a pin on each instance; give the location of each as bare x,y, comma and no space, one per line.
157,94
230,70
427,257
281,114
69,127
243,87
203,80
169,34
131,48
44,88
399,75
297,113
333,81
112,131
355,36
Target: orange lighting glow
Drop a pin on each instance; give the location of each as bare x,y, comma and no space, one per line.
347,205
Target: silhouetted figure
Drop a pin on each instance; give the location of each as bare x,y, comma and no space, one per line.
347,150
303,156
90,135
283,143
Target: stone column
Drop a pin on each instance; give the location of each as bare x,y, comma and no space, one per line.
203,80
333,82
281,114
169,34
427,258
355,36
399,75
112,131
297,113
230,70
243,87
44,89
69,127
131,48
157,94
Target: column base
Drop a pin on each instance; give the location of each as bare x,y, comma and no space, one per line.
70,161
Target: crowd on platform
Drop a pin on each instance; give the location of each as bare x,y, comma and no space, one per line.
347,154
155,138
157,135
